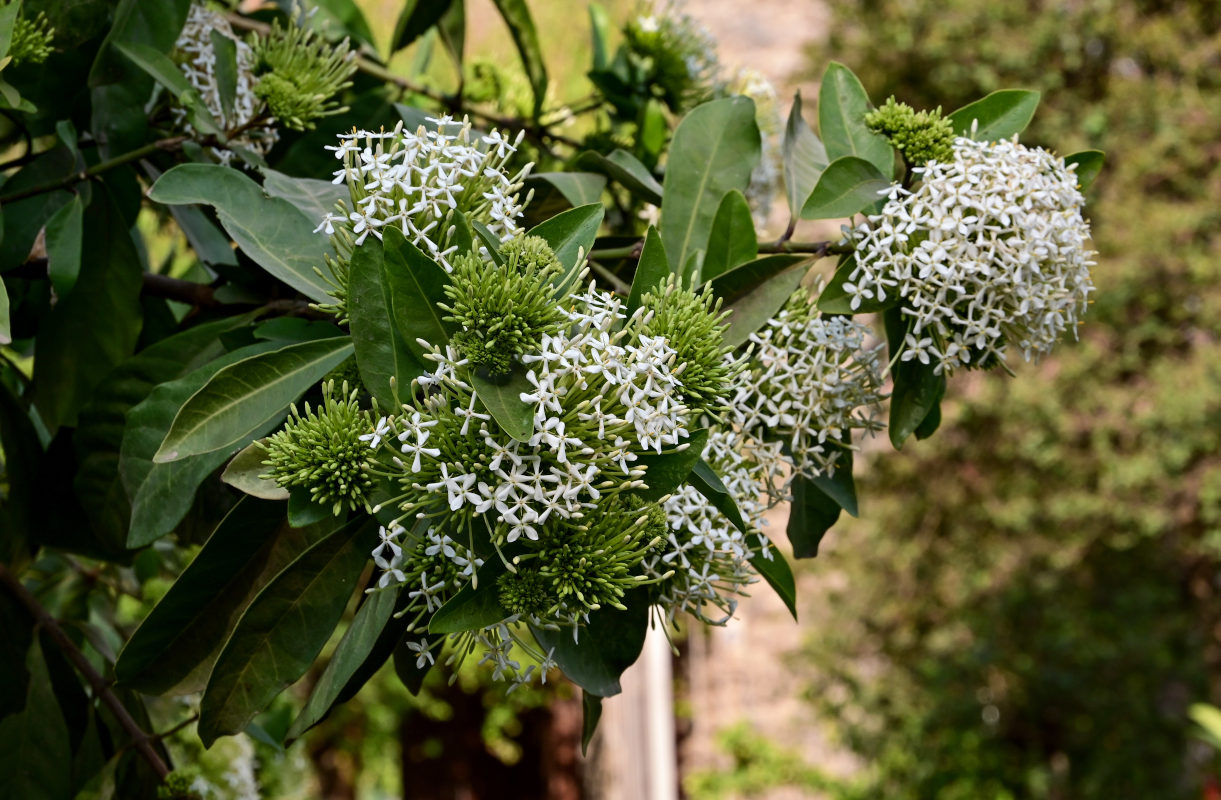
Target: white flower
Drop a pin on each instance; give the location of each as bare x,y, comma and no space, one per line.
990,251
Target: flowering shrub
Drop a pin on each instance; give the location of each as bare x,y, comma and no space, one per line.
532,424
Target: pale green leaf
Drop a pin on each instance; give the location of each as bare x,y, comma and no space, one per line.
805,158
1000,115
245,472
846,186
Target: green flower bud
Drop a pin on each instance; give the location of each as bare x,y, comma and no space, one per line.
921,136
31,42
694,328
525,592
504,309
300,72
179,785
322,451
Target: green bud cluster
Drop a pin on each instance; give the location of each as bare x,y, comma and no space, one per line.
656,524
31,43
322,451
677,56
593,563
504,309
179,785
921,136
300,73
694,326
525,593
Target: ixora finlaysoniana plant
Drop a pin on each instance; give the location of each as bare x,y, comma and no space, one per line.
467,393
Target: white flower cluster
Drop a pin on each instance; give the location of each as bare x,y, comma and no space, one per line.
414,179
709,556
990,250
813,380
198,64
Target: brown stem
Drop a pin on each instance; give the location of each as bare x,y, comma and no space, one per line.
140,740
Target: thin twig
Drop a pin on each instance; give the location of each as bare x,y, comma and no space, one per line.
140,740
170,144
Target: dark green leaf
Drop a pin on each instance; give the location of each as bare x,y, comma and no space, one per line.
651,269
599,32
96,326
591,714
488,240
625,168
578,188
65,229
668,470
732,241
24,219
811,515
610,643
804,158
337,18
709,484
284,628
34,744
417,288
357,642
6,325
521,27
303,511
245,472
161,494
841,487
22,454
755,291
931,423
1000,115
250,393
842,105
277,236
225,70
779,575
407,661
8,19
917,391
381,351
834,299
175,646
715,149
501,396
416,17
1089,164
846,186
162,69
452,29
571,235
476,605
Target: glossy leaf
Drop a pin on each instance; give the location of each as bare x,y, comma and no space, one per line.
1089,165
840,487
245,472
407,664
161,494
271,230
501,396
610,643
381,351
34,743
917,391
591,715
24,219
578,188
779,575
842,105
64,234
161,68
487,240
253,390
571,235
624,168
96,326
416,17
175,646
714,151
284,628
357,642
417,287
755,291
224,50
847,186
666,471
651,269
476,605
732,241
804,158
313,197
521,27
1000,115
709,484
811,515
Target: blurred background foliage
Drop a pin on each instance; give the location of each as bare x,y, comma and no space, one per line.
1030,602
